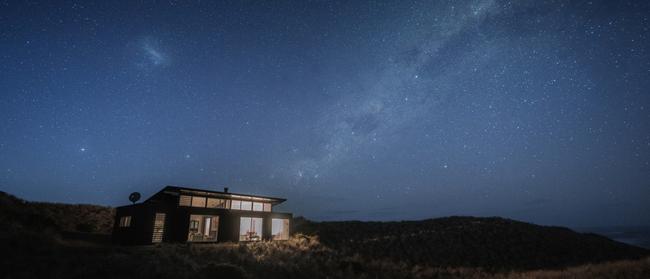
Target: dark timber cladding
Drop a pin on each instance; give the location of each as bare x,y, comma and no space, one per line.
181,214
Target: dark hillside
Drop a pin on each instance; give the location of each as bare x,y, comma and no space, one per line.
35,216
493,243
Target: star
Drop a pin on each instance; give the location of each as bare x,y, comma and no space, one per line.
83,149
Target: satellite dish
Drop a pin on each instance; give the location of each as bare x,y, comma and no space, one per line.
134,197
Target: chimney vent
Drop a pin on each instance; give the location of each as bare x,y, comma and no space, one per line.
225,189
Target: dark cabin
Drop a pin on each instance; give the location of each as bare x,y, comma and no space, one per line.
180,214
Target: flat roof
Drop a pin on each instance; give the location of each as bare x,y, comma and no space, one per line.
220,194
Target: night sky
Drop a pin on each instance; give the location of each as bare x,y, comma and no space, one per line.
532,110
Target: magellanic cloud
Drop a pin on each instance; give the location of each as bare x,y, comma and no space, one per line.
151,54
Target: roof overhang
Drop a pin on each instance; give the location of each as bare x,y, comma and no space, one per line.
176,190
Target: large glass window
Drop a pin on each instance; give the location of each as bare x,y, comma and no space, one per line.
250,229
125,221
203,228
280,229
267,207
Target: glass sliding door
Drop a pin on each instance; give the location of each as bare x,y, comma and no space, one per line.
280,229
203,228
250,229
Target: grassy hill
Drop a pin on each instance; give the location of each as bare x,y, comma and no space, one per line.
492,243
56,217
32,245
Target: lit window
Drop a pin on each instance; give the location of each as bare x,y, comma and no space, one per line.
185,200
198,202
125,221
203,228
235,205
246,205
280,229
158,228
250,229
267,207
216,203
258,206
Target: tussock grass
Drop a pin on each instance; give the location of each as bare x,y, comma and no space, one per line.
300,257
619,269
495,244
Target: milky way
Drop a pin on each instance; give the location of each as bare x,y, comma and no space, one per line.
395,97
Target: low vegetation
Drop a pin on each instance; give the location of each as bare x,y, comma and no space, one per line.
59,217
33,246
495,244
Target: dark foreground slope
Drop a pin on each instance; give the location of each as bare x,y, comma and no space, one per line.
18,214
32,245
493,243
